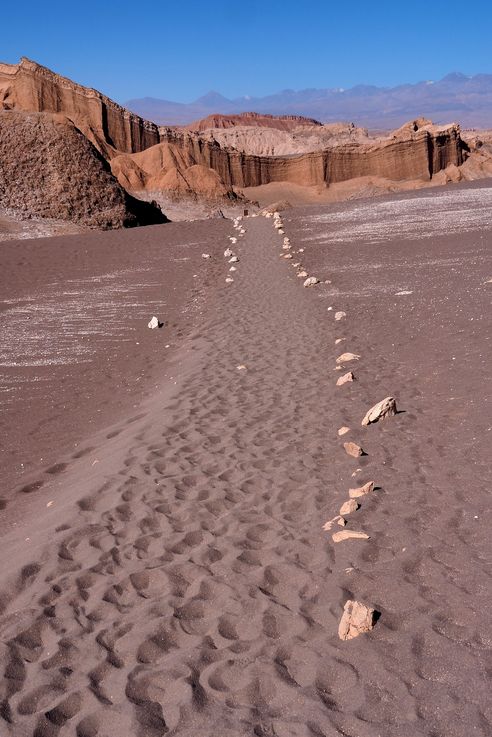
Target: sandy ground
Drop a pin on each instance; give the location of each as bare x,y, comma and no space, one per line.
175,577
351,189
76,353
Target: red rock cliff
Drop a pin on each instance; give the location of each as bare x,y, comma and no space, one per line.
30,87
409,154
279,122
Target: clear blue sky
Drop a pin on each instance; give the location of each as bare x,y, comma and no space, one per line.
180,50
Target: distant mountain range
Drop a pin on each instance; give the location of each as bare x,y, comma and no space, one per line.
456,97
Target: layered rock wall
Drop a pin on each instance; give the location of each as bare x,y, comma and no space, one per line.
277,122
412,155
30,87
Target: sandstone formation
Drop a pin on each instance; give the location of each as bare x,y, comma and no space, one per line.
356,619
409,155
385,408
31,87
222,157
278,122
271,140
49,169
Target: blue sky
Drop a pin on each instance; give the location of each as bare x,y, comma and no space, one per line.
180,50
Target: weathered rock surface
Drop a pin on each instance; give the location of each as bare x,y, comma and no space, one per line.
343,430
182,162
361,490
352,449
385,408
278,122
48,168
31,87
413,154
356,619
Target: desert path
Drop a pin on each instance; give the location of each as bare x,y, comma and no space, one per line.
192,590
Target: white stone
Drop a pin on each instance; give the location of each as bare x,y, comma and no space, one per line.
154,323
345,357
311,281
356,619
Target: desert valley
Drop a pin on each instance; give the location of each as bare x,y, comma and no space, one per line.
245,431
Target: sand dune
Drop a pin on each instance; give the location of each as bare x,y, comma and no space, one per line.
183,583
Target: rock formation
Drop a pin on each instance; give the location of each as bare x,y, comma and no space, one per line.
279,122
30,87
49,168
202,163
412,154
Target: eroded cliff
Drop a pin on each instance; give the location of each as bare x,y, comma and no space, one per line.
240,152
31,87
258,120
410,153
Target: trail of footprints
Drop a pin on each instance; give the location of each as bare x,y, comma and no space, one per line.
207,558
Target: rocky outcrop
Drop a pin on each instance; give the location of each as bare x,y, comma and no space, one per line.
30,87
183,162
412,154
265,137
48,168
279,122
